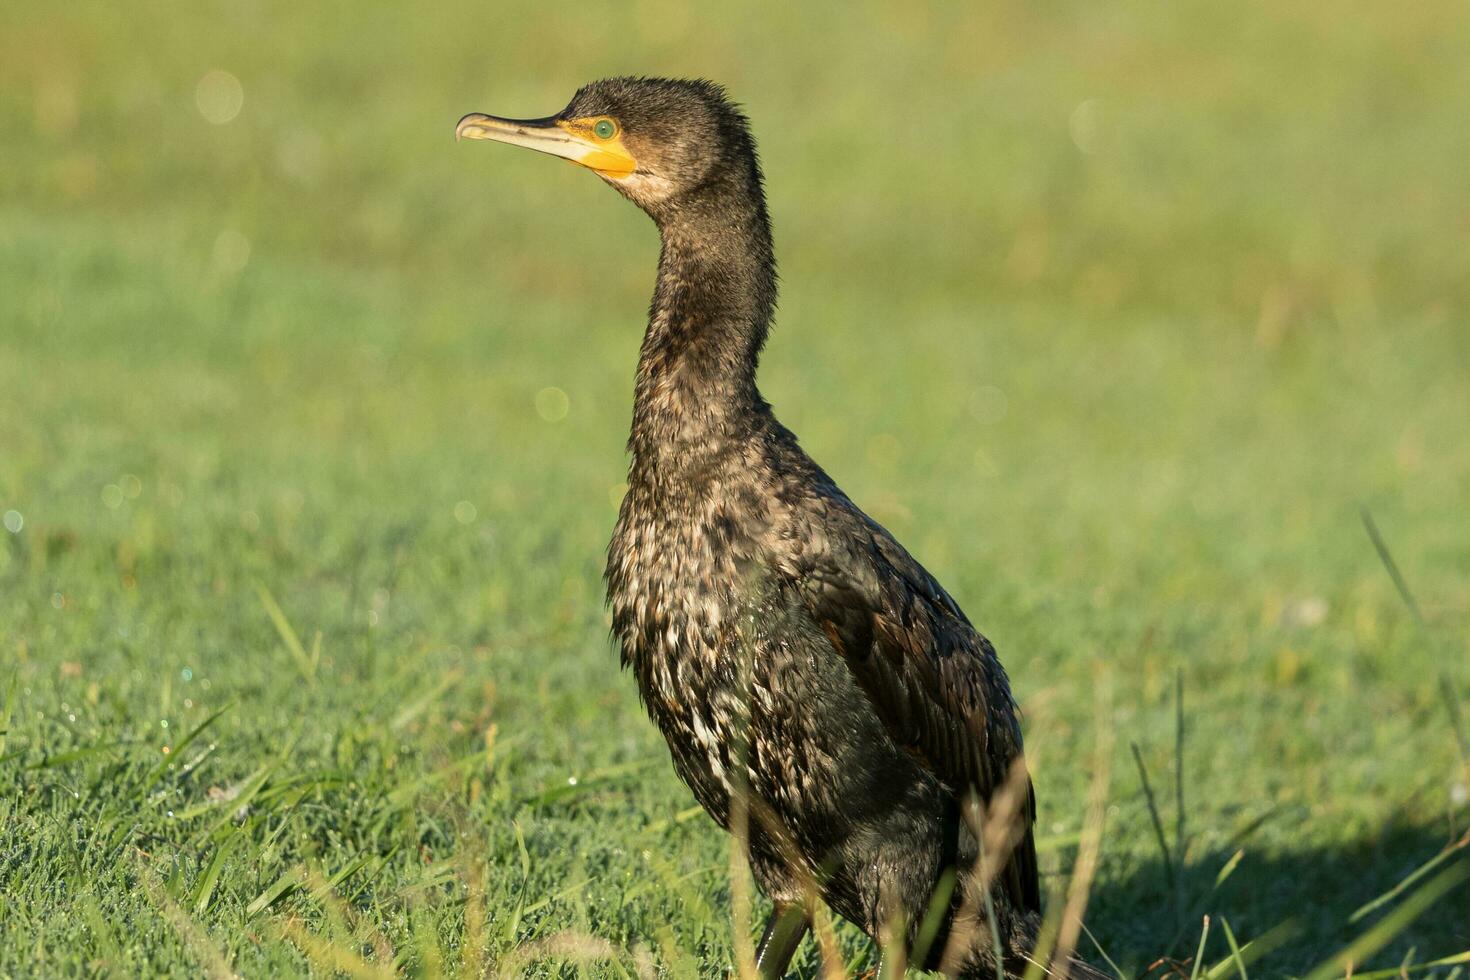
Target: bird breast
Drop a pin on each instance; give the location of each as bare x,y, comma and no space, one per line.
687,581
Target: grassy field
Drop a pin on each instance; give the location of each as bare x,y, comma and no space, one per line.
311,438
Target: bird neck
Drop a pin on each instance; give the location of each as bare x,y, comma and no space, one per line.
711,309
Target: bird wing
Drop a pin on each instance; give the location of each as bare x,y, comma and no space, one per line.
932,678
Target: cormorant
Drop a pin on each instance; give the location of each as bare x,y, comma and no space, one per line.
821,694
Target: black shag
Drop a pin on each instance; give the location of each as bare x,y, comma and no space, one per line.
821,694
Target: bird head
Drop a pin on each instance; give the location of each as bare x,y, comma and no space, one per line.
654,139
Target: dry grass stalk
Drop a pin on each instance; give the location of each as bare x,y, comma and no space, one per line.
1092,831
213,961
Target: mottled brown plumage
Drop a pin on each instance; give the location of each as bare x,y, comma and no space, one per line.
805,670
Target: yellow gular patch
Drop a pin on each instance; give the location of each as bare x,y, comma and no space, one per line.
607,156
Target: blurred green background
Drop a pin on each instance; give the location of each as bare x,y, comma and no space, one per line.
1114,313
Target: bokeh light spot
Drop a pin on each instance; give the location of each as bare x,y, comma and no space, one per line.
219,96
552,404
231,252
301,155
1089,127
465,512
14,521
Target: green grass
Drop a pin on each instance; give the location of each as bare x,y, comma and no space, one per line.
1115,314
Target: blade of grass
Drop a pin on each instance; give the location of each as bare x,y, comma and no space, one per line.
1180,840
417,706
682,816
1391,566
934,915
1411,878
105,939
379,865
989,903
1272,939
304,662
677,961
1447,688
213,961
425,941
8,709
333,958
1202,902
76,755
1069,926
1399,971
1228,869
1452,706
1154,816
472,946
204,890
595,781
1199,954
513,921
1046,937
1234,948
324,888
282,885
1118,970
162,767
251,786
1394,923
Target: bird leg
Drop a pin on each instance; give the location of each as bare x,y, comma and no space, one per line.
785,930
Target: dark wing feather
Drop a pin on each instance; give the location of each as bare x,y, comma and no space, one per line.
933,680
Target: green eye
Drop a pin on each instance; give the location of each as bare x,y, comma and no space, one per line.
604,128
